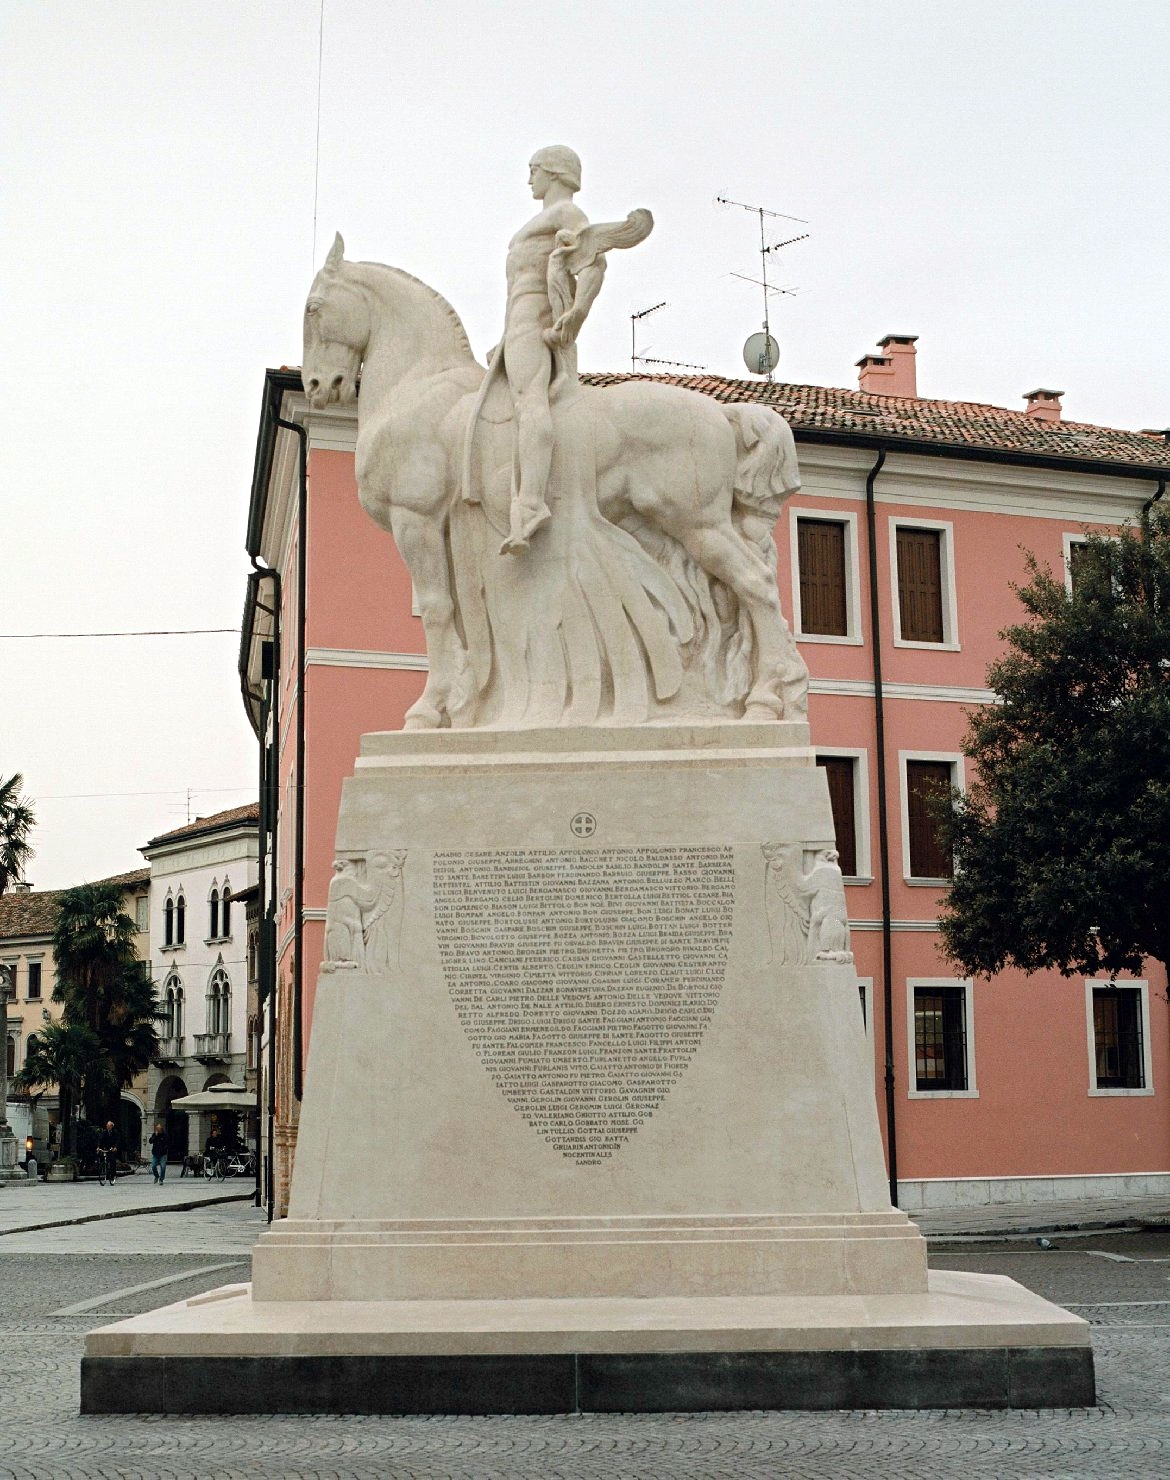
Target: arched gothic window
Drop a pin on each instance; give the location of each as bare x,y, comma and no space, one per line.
227,910
180,920
172,1007
219,1002
214,931
169,922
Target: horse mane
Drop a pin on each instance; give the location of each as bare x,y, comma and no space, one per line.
433,294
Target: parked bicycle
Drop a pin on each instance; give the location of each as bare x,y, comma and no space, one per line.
233,1164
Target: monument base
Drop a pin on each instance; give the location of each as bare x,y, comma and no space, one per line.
969,1341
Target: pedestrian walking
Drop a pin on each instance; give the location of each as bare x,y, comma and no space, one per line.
159,1150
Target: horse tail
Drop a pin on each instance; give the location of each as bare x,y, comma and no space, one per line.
766,470
724,659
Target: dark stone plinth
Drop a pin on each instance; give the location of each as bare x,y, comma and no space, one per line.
644,1382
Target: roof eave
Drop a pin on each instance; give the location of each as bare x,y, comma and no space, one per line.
1016,457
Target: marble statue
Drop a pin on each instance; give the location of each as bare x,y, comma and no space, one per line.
581,555
556,263
807,919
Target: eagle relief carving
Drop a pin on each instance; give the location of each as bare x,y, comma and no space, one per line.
806,914
363,921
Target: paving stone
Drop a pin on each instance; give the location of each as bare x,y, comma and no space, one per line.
42,1436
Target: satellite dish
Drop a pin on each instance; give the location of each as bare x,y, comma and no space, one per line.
761,354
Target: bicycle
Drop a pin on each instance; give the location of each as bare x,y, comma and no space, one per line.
107,1166
234,1164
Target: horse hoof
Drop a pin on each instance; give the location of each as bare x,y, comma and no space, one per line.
427,719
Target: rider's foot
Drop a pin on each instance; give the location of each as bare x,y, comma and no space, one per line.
523,529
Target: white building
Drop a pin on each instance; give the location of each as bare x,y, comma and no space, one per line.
199,942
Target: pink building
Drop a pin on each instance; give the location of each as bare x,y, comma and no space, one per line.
896,564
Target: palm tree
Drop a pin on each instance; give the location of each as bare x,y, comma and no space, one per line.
67,1055
17,820
106,989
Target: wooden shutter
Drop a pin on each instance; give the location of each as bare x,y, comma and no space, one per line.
920,584
924,781
839,774
821,556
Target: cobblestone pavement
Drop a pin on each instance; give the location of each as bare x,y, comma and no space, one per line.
27,1206
1121,1283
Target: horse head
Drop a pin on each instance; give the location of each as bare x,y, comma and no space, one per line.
337,331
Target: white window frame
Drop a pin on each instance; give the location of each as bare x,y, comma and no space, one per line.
912,1091
1067,541
1143,988
853,633
958,778
950,603
860,759
32,961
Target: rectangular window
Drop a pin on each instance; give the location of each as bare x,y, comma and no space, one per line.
940,1039
34,981
839,772
1118,1038
142,913
821,558
926,855
920,584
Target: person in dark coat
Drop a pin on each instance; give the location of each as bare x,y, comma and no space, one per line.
159,1150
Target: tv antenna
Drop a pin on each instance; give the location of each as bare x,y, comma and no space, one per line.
642,313
762,353
636,359
675,364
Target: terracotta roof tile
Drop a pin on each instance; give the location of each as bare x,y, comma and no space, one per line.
909,419
250,812
35,913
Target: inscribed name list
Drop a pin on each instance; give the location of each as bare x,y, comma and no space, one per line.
585,978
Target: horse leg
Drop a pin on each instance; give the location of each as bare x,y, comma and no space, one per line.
421,539
780,686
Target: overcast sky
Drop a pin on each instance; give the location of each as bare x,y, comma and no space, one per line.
989,176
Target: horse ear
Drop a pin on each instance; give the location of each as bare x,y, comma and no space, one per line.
336,254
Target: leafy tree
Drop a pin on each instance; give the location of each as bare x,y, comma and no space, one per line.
66,1055
105,989
16,822
1067,826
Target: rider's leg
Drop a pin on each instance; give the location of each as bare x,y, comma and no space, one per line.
529,365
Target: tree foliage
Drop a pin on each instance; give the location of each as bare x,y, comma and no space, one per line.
17,821
66,1055
1067,824
104,988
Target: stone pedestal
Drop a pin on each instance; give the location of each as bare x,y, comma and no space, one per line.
9,1154
584,1125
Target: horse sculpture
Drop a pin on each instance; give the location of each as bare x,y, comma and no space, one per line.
689,491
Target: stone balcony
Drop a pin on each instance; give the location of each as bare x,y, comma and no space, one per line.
212,1046
170,1049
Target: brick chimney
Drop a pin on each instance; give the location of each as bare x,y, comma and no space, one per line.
891,373
22,886
1043,405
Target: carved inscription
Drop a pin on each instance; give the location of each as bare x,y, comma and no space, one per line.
585,978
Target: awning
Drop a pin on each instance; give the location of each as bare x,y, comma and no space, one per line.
219,1097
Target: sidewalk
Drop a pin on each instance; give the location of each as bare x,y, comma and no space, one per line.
1080,1215
28,1206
